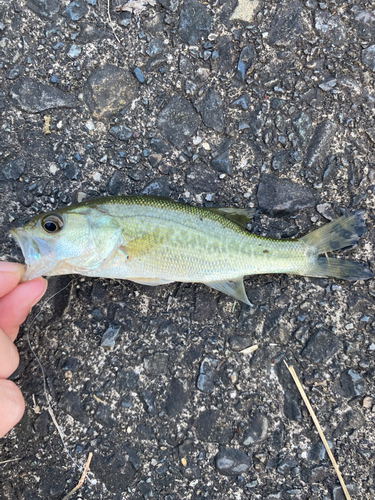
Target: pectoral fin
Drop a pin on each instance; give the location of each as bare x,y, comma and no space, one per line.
234,288
239,216
144,244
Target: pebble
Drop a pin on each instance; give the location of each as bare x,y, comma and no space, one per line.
157,187
74,51
149,401
139,75
14,169
121,132
368,57
328,85
238,342
245,62
178,121
331,27
75,10
109,337
230,462
320,143
281,195
272,318
114,469
33,97
257,429
157,364
155,47
338,494
352,384
207,374
287,23
242,102
287,465
211,109
108,90
303,126
126,380
70,402
178,394
213,426
221,163
44,8
195,22
321,346
14,72
71,171
326,210
282,161
52,483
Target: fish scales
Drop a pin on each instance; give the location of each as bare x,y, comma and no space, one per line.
155,240
193,244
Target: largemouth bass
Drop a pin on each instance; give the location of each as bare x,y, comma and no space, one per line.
154,241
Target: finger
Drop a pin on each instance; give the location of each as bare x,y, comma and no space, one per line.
10,275
12,406
9,357
15,306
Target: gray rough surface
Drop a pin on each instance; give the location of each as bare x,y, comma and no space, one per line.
173,410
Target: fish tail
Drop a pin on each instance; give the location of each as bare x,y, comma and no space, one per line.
340,233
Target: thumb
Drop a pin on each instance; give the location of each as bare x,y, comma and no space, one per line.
12,406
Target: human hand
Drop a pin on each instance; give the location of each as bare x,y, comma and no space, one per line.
16,300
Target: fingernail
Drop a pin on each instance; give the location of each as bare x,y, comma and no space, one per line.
11,267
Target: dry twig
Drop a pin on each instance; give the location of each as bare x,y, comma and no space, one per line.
10,460
82,479
249,350
318,428
111,22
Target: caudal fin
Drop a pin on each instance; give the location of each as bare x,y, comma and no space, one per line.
338,268
340,233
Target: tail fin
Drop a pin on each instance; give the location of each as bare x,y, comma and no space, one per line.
340,233
337,268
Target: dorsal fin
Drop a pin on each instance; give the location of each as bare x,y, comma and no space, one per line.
239,216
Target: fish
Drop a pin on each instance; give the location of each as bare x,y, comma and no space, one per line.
153,240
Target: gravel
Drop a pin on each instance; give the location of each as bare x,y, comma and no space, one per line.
216,104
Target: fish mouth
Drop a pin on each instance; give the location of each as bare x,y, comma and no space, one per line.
36,252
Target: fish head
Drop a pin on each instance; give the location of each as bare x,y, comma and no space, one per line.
52,241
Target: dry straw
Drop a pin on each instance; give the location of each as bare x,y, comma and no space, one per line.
319,429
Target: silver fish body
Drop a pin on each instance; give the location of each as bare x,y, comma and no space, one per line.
154,240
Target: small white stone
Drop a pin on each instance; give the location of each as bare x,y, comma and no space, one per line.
206,146
96,176
90,125
81,196
53,168
197,140
349,326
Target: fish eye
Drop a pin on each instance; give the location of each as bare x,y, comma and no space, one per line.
52,223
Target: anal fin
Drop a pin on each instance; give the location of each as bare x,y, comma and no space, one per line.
234,288
150,281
